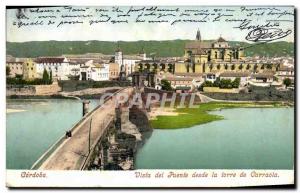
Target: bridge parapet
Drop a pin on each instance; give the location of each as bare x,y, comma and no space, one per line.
72,153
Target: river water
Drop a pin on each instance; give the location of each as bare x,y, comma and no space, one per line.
252,138
29,133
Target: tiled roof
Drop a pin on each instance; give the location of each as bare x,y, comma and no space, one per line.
285,68
197,45
49,60
263,75
172,78
191,74
234,74
14,62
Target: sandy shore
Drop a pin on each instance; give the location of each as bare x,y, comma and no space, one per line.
14,110
157,111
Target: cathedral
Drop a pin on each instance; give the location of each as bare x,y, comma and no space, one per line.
203,56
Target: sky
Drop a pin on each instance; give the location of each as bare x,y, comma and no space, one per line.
133,31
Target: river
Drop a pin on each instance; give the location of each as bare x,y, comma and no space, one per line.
252,138
247,138
32,126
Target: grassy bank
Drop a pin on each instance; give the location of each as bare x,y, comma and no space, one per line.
188,117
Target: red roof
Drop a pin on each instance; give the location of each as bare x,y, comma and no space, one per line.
49,60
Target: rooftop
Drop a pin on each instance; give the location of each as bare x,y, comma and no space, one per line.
173,78
49,60
234,74
221,39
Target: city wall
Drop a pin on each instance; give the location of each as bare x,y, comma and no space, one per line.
33,89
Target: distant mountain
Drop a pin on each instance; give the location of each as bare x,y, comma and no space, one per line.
172,48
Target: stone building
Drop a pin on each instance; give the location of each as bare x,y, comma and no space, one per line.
113,71
204,56
15,68
127,63
29,69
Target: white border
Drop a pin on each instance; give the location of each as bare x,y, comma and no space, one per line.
3,3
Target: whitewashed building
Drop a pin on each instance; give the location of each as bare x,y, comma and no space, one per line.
95,72
127,62
58,67
244,77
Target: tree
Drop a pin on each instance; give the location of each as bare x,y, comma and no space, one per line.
287,82
50,78
216,82
7,71
165,85
225,83
236,82
46,78
19,76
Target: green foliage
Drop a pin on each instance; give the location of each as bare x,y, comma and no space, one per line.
188,117
287,82
223,83
207,84
19,76
172,48
7,71
46,77
50,78
236,83
216,82
165,85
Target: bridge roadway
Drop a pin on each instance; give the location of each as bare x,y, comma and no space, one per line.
72,153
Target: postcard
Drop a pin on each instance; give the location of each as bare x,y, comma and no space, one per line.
150,96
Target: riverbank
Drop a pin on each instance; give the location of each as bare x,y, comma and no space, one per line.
188,117
91,93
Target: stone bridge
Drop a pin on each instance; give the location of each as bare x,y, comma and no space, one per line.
105,138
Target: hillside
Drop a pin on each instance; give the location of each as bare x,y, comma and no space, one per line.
162,48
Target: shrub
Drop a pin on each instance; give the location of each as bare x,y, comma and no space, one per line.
165,85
